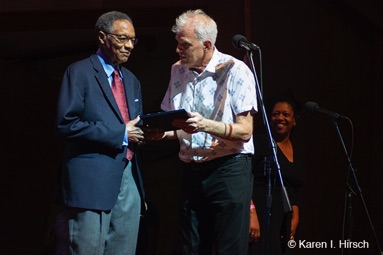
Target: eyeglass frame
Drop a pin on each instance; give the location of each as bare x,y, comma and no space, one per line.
123,40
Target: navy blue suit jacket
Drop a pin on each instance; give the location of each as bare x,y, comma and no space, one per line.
92,127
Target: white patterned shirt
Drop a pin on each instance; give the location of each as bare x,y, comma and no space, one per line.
223,90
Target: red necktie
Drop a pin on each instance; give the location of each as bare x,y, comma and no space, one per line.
119,95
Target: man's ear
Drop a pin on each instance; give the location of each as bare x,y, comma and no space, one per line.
207,45
101,37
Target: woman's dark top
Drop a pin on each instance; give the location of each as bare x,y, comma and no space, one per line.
280,220
292,173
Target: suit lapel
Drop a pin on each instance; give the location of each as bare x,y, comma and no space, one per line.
129,94
105,86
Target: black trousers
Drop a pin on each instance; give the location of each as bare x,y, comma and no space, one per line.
215,208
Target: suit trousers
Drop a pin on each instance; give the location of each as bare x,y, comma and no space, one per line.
215,210
96,232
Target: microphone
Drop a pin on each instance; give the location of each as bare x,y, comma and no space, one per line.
239,41
314,107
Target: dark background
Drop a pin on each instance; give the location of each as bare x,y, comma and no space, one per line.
326,51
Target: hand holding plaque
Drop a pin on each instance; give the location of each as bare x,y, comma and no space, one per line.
163,120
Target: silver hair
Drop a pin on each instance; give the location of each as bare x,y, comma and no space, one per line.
205,27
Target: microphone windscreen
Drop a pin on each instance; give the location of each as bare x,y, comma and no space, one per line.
311,107
237,39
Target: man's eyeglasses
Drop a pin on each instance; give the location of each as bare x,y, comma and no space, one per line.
123,39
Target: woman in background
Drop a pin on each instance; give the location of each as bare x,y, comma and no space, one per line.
283,225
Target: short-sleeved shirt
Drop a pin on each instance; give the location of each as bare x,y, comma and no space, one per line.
223,90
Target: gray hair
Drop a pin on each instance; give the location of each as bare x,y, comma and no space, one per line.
106,21
204,26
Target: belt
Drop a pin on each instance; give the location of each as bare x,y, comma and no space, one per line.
195,166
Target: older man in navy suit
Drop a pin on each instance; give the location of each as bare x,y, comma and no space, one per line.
100,182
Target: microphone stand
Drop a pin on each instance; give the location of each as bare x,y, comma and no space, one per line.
268,162
350,193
